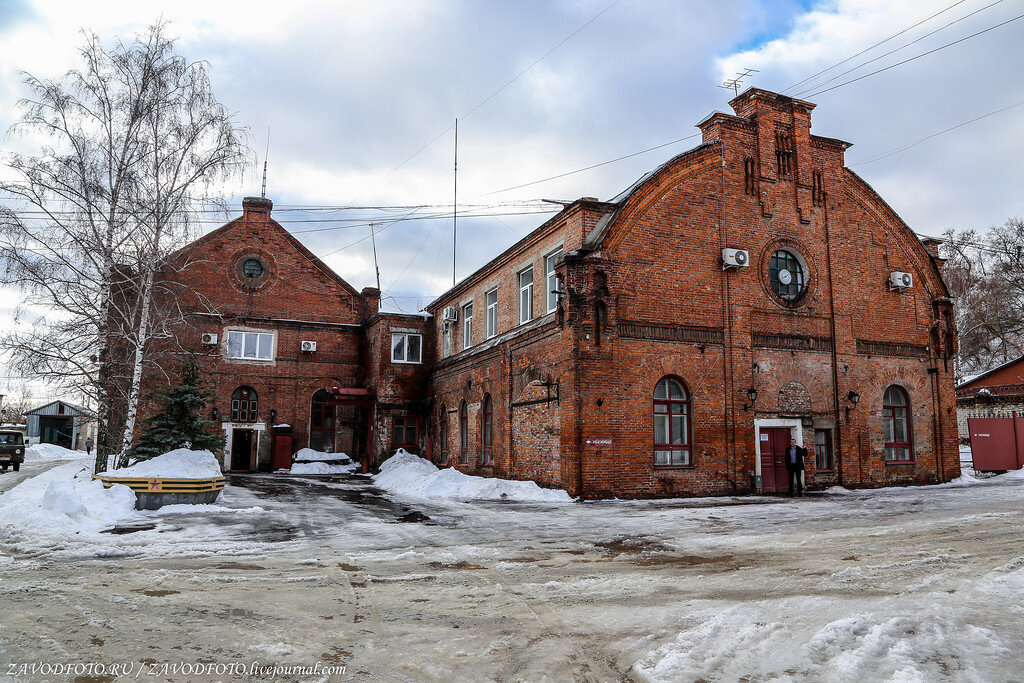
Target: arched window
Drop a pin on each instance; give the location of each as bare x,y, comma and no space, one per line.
463,434
321,423
896,424
244,404
487,429
442,434
672,424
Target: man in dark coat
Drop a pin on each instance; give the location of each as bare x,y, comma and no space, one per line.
795,466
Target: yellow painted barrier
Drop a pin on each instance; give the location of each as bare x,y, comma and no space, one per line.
162,485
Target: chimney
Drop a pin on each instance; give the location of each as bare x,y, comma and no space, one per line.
256,208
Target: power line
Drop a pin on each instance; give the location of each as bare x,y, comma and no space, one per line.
897,150
886,54
868,49
923,54
592,166
489,98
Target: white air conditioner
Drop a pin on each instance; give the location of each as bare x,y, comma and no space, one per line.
451,314
309,346
735,258
901,280
209,339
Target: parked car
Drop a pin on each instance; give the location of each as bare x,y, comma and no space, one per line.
12,449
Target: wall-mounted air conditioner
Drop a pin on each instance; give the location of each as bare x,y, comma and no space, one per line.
308,346
901,281
735,258
451,314
209,339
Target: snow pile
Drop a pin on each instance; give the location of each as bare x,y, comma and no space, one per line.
322,468
49,451
177,464
309,455
410,475
67,499
839,640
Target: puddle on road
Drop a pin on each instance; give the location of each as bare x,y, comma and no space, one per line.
461,564
719,563
155,592
632,545
129,528
238,565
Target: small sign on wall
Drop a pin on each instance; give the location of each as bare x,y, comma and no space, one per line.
764,436
601,443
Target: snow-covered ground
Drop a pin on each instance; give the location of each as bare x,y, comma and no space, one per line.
323,468
49,451
309,455
409,475
181,463
895,584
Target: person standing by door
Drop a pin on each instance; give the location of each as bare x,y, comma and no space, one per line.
795,466
88,446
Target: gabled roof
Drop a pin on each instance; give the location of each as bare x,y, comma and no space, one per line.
299,246
974,378
41,410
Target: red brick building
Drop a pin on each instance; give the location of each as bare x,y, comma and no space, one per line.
623,349
667,342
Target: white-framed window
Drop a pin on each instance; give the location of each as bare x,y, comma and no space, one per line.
406,348
250,345
551,296
467,326
526,295
491,299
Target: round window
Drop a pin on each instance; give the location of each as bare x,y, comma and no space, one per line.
786,274
252,268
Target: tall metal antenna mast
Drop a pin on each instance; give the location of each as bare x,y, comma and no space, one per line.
373,238
455,203
263,192
734,83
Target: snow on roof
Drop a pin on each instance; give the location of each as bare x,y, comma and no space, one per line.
973,378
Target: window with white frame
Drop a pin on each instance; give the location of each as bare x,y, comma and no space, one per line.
491,299
526,295
406,348
552,295
250,345
467,326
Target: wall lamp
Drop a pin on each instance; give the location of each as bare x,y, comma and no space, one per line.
751,397
273,416
854,398
215,413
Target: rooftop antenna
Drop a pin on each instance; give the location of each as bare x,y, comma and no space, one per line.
263,192
455,203
734,83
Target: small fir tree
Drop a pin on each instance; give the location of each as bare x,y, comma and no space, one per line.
179,423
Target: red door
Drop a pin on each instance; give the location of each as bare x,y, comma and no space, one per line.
774,476
282,450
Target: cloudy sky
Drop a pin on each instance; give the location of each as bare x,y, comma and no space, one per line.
351,90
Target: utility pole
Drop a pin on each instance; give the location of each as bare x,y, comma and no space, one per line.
455,203
263,192
373,238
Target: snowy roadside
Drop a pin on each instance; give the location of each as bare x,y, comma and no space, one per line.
409,475
63,511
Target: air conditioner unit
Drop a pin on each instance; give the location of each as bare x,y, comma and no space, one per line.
309,346
209,339
735,258
451,314
901,280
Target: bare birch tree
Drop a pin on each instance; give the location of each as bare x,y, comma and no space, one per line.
136,144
